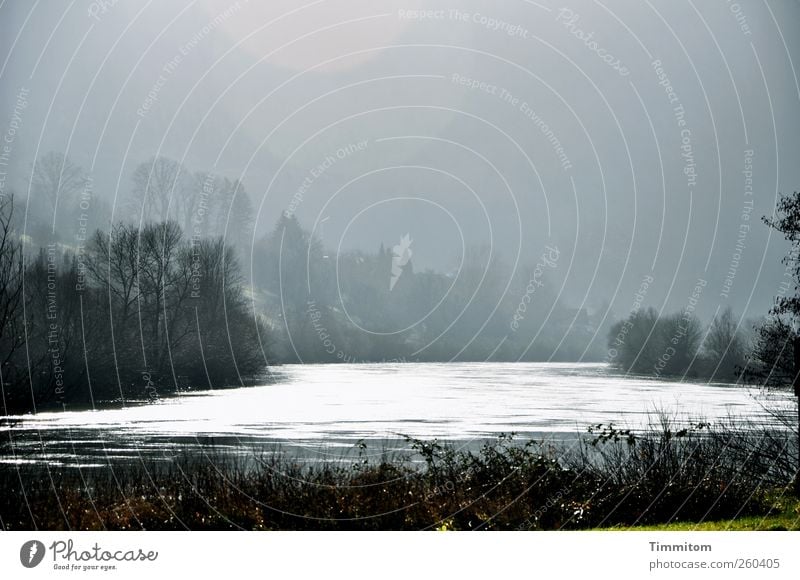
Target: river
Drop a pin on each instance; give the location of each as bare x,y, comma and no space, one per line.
322,411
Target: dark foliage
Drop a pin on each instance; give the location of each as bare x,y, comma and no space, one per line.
138,313
676,345
613,477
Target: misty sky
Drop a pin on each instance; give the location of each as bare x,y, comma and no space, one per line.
618,132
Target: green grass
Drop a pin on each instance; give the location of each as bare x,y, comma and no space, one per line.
784,514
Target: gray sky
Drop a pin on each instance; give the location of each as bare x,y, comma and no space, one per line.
617,131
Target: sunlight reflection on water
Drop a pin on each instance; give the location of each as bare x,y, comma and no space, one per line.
330,407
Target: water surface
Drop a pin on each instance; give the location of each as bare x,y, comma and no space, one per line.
323,410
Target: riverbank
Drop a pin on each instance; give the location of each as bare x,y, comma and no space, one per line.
19,411
611,479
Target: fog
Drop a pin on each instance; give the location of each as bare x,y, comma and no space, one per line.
584,158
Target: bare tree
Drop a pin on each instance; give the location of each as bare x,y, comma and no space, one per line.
12,334
112,262
163,190
158,253
223,209
55,181
724,346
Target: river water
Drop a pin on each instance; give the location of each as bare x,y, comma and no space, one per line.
322,411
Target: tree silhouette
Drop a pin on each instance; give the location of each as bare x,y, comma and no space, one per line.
163,190
56,182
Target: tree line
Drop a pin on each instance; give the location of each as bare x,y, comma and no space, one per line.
756,352
202,203
140,312
678,344
360,306
158,301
